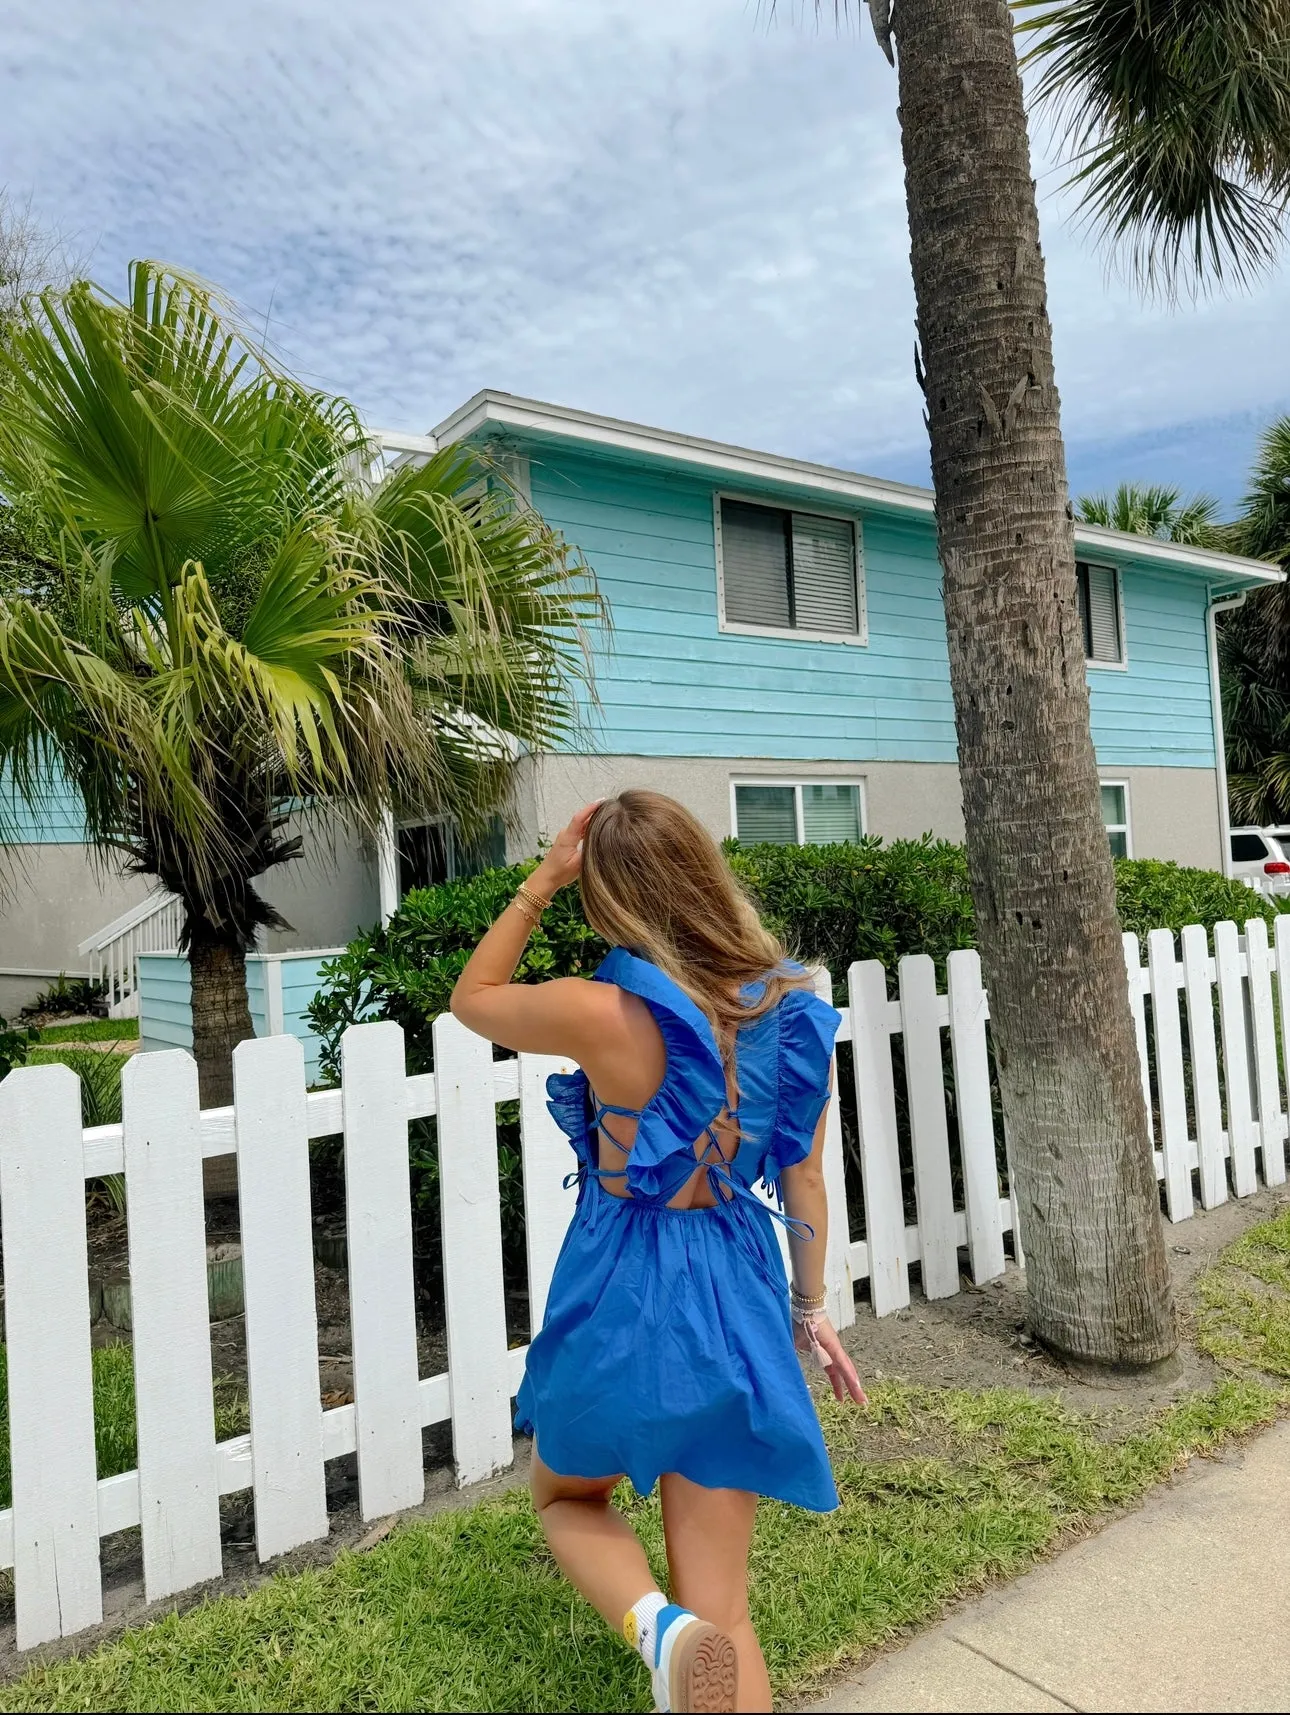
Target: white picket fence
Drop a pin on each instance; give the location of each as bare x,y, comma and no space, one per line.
61,1510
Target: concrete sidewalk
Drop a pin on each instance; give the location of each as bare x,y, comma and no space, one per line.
1180,1606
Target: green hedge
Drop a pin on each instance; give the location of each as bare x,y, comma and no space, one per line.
831,904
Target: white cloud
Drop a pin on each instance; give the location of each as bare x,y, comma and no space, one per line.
668,212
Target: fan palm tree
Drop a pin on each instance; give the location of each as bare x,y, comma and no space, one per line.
214,621
1152,509
1180,144
1254,648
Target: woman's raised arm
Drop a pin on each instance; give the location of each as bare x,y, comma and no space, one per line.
557,1017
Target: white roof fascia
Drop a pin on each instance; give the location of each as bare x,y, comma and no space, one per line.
509,411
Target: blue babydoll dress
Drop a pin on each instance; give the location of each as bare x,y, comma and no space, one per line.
667,1343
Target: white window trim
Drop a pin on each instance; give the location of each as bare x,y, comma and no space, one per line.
855,640
1126,828
1122,665
797,781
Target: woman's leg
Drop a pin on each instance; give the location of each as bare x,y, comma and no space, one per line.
593,1544
708,1535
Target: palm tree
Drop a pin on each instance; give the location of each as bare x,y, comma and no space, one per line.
1254,648
1152,509
213,621
1040,868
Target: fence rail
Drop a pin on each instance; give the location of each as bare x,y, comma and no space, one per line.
1215,1098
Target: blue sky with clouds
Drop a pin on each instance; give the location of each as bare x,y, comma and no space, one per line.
674,212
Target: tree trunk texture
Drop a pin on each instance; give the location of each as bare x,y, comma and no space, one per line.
221,1019
1041,872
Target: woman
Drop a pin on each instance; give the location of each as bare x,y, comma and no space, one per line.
667,1352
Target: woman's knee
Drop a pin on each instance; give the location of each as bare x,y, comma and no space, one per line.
547,1486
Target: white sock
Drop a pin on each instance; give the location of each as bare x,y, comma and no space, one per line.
640,1625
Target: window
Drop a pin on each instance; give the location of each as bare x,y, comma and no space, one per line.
1115,818
1248,848
796,813
431,852
793,572
1099,612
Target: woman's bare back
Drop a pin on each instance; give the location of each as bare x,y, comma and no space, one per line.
628,1073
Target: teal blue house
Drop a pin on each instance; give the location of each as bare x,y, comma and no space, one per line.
776,659
778,653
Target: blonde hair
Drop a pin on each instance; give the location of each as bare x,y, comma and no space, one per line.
654,881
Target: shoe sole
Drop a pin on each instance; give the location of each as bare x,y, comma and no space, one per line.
704,1671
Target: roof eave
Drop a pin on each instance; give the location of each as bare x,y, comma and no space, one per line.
513,413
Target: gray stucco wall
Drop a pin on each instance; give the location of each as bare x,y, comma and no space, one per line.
1173,811
53,896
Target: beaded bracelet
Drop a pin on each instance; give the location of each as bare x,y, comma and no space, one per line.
534,901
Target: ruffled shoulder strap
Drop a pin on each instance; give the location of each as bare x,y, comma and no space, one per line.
807,1029
693,1091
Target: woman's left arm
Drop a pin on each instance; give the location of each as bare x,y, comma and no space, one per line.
554,1017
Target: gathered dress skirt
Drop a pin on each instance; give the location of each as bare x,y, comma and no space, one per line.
667,1345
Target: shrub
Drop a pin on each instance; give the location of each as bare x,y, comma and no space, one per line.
15,1044
831,904
406,969
67,995
1154,895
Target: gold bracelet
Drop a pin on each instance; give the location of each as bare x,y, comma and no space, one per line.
527,912
534,900
808,1301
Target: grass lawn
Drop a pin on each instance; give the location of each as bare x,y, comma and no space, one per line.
97,1030
942,1489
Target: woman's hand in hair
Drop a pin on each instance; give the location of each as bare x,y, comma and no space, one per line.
563,863
841,1371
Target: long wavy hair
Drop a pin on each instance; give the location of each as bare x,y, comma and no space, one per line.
654,881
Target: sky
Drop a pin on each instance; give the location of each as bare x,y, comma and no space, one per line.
682,212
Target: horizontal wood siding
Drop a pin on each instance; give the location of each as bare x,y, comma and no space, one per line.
166,1010
1157,710
58,819
673,684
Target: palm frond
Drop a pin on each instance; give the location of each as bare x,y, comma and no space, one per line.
1174,116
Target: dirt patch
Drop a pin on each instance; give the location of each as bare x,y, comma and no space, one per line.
978,1339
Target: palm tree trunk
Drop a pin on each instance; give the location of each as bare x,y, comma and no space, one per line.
1041,873
221,1019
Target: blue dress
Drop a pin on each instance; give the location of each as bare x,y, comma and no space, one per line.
667,1343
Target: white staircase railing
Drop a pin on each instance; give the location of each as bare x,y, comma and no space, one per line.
152,926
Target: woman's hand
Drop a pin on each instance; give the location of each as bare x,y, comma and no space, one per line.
841,1371
563,863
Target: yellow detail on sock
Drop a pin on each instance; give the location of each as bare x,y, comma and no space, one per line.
629,1627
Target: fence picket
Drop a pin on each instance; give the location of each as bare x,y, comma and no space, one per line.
1165,978
471,1208
1137,1006
1241,1136
968,1011
925,1083
837,1261
884,1210
47,1330
382,1305
1198,983
278,1279
1266,1076
548,1161
170,1317
1281,954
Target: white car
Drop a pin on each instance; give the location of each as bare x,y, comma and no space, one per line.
1261,856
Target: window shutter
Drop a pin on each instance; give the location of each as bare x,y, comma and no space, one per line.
754,565
830,814
824,574
766,814
1102,625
